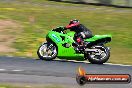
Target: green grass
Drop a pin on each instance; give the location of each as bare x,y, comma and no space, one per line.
47,15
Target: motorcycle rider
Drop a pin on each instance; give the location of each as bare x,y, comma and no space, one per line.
81,32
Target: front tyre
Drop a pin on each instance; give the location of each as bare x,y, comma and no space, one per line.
99,57
47,51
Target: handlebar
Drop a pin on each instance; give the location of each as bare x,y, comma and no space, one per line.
59,29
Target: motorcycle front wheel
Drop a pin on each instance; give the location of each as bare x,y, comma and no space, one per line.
47,51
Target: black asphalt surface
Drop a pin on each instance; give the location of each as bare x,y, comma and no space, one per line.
27,70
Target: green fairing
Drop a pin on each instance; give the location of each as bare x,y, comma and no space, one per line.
63,52
97,37
69,53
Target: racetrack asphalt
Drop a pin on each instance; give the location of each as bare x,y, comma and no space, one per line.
32,71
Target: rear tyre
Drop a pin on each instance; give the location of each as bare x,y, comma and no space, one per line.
47,51
98,57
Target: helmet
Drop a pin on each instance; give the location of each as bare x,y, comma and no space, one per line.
73,23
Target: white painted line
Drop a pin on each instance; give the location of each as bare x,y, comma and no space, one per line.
11,70
2,69
10,56
79,61
117,64
72,61
89,62
58,59
17,70
22,57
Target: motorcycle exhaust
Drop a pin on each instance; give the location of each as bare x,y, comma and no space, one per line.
94,50
91,50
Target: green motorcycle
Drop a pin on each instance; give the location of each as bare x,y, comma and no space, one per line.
62,45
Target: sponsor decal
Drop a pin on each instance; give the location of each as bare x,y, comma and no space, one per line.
55,37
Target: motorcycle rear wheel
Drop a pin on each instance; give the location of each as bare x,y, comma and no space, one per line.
95,58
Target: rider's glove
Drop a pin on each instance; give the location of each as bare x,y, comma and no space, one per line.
60,28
